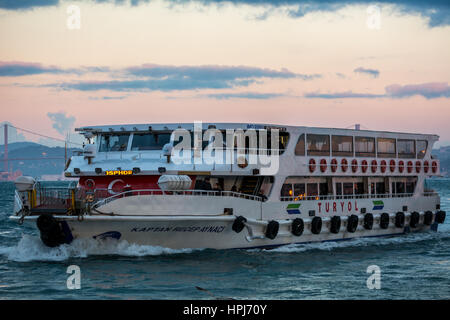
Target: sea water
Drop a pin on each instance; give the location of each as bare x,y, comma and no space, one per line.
413,266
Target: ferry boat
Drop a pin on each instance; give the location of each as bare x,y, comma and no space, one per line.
269,185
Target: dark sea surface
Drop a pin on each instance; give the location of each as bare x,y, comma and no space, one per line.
414,266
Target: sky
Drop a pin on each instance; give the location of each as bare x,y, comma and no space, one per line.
384,65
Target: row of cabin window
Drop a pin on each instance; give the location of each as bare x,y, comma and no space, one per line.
302,190
157,140
319,145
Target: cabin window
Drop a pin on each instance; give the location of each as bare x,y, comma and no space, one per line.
286,190
323,189
365,146
421,148
410,186
300,147
348,188
380,188
400,187
114,142
406,149
342,146
149,141
339,190
312,190
299,190
358,188
386,147
318,144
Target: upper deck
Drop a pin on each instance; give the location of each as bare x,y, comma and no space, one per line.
302,151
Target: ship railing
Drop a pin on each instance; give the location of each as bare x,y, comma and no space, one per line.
159,192
352,196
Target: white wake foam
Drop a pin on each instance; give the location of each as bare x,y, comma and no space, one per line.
31,248
358,242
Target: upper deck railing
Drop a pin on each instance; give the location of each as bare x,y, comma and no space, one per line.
356,196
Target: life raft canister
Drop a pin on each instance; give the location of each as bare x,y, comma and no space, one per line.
323,165
414,219
344,165
418,166
399,219
392,165
333,165
354,165
297,227
374,166
409,166
364,166
434,166
426,166
239,224
316,225
383,166
428,218
440,217
312,165
384,220
401,166
272,229
52,234
352,223
368,221
335,224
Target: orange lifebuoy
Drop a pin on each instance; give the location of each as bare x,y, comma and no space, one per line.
323,165
333,165
374,166
364,166
392,165
426,166
401,166
354,165
344,165
434,166
409,166
383,165
418,166
312,165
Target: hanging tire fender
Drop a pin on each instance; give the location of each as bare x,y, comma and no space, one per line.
352,223
440,217
384,220
414,219
399,219
368,221
239,224
335,224
428,218
316,225
297,227
272,229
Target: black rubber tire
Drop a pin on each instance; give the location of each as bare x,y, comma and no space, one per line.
399,219
52,234
352,223
316,225
272,229
298,226
440,217
384,220
239,224
335,224
428,218
368,221
414,219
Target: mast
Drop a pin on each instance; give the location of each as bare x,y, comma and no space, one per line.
6,167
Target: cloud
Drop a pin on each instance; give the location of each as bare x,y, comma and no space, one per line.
61,122
372,72
19,68
26,4
108,98
431,90
242,95
151,77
